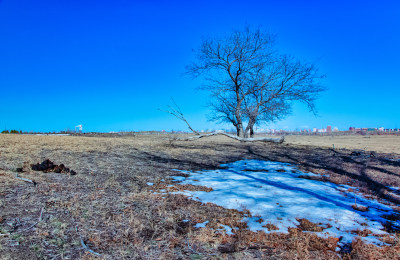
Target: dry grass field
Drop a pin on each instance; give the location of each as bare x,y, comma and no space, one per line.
109,207
378,143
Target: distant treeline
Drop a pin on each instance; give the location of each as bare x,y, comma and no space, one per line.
11,132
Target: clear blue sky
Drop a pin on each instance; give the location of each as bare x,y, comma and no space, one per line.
110,64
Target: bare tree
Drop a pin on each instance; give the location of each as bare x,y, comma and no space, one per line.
249,82
227,64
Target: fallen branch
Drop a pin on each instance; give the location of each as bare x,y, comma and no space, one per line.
175,110
25,179
85,246
88,249
241,139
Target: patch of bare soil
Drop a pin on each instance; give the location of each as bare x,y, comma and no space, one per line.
306,225
108,211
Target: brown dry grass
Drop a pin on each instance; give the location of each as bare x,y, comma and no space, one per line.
378,143
110,206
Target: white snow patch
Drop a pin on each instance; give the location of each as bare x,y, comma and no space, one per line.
177,178
395,189
228,229
53,134
273,191
201,225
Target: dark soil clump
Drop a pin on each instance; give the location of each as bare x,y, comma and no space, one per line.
49,166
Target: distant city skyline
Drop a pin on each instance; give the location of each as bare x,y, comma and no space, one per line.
109,65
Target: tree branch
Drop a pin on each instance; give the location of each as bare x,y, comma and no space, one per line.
25,179
241,139
176,111
84,245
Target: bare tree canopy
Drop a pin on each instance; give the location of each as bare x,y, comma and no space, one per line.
250,82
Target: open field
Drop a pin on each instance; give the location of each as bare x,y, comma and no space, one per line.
378,143
109,205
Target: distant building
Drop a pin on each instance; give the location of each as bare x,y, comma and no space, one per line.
78,129
335,129
329,129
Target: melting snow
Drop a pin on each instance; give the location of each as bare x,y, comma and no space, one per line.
201,225
394,189
228,229
55,134
273,191
177,178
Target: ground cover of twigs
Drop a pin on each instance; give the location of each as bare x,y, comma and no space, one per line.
109,208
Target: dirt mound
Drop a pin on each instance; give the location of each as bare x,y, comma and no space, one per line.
49,166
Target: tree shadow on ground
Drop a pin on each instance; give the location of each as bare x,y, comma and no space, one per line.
322,163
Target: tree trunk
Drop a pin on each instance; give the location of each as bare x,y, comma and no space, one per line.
238,115
239,131
249,129
246,132
249,133
239,127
